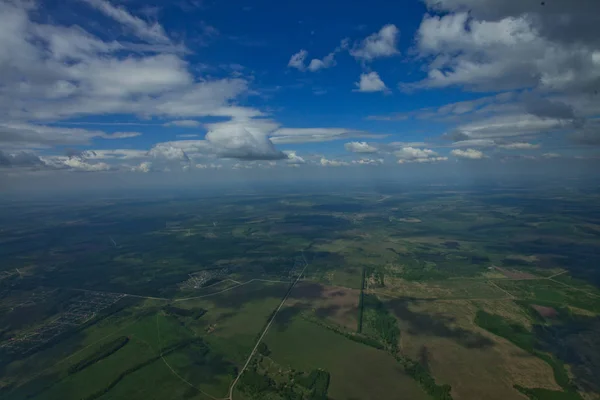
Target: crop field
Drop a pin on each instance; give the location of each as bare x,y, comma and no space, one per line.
435,293
356,370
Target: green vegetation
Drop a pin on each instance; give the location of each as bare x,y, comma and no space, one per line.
184,312
263,349
255,384
511,331
520,336
421,375
317,382
104,351
381,322
545,394
361,304
67,331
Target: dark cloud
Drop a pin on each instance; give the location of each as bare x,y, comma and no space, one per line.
19,159
589,136
455,136
545,108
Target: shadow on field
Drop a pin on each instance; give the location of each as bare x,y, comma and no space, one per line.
286,315
437,326
236,298
328,311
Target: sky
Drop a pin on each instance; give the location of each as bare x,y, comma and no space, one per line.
94,90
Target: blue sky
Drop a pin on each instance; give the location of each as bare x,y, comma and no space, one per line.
109,87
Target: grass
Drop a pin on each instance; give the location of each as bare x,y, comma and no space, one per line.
525,339
441,336
447,289
357,371
551,292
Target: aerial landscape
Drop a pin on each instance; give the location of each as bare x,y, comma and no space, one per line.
427,293
299,200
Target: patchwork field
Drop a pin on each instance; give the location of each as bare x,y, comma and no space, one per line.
434,293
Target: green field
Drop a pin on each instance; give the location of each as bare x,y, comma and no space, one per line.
430,293
357,371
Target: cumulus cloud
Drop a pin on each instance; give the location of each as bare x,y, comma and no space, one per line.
360,147
51,72
246,141
370,82
377,45
183,123
332,163
167,152
20,159
145,166
208,166
490,46
297,60
293,158
471,154
368,161
74,163
414,155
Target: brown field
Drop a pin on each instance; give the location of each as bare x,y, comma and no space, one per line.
477,364
546,312
335,303
515,274
449,289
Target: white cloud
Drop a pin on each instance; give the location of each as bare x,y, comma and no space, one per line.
370,82
471,154
208,166
508,126
116,154
551,155
332,163
411,155
297,60
329,60
248,140
305,135
360,147
380,44
122,135
475,143
510,45
21,134
145,166
153,33
368,161
166,151
520,146
51,72
183,123
74,163
293,158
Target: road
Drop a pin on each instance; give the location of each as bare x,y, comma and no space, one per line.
265,330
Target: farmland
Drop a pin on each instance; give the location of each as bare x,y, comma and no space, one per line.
443,293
